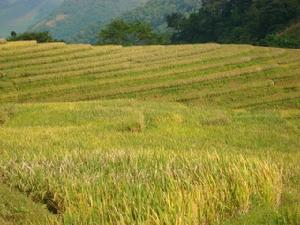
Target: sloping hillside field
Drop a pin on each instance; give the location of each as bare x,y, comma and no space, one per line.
187,134
227,75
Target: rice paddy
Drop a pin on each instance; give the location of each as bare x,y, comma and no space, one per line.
187,134
227,75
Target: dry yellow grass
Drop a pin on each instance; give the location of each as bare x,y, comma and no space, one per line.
60,72
200,134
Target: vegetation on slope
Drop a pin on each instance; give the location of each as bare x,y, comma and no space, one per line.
40,37
290,37
259,22
154,12
224,75
125,161
18,15
235,21
80,21
75,21
17,209
129,33
221,147
293,30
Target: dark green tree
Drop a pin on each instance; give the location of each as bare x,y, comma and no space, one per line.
133,33
40,37
13,34
236,21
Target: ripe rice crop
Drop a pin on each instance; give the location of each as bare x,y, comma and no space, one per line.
113,162
180,134
58,72
125,187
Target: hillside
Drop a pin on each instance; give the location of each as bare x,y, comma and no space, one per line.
154,12
74,19
80,21
293,30
182,134
18,15
239,22
228,75
106,162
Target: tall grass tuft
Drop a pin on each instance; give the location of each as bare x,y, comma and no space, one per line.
147,187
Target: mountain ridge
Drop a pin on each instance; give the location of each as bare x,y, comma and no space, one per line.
74,18
82,21
18,15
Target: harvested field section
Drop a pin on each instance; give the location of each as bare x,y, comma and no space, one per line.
58,72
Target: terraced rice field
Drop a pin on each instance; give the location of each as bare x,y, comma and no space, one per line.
227,75
187,134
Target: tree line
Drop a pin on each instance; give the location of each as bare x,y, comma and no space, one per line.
258,22
238,21
40,37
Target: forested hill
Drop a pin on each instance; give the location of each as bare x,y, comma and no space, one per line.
259,22
266,22
154,12
79,20
19,14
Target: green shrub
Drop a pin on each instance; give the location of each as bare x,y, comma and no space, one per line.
284,41
40,37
